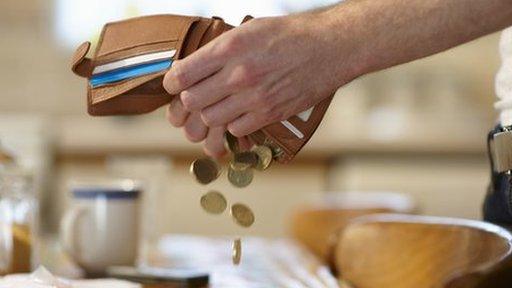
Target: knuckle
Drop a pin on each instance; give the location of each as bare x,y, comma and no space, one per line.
208,118
167,83
229,44
244,75
180,78
174,118
187,100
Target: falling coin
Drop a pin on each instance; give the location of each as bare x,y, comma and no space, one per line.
242,215
247,157
264,157
231,142
344,284
205,170
239,176
238,166
214,202
237,251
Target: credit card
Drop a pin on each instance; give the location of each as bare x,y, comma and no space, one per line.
133,61
129,72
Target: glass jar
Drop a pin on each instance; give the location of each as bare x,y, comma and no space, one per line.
18,214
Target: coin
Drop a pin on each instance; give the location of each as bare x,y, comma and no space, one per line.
242,215
246,157
231,142
214,202
264,157
237,251
345,284
238,166
205,170
239,176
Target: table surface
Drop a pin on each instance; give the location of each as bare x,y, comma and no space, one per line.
265,262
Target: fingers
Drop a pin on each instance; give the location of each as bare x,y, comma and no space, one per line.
225,111
208,91
176,113
192,69
195,129
214,143
245,143
227,81
246,124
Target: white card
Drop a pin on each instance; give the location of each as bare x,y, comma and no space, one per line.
136,60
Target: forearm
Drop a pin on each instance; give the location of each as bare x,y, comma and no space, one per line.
384,33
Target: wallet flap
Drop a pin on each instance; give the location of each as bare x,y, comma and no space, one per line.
143,31
80,65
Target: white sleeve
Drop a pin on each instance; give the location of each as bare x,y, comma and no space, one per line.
503,82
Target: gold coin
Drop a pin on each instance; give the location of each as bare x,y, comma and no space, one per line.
242,215
237,251
247,157
264,157
239,176
237,166
231,142
214,202
205,170
345,284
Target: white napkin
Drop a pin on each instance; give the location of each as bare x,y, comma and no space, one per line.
504,77
506,43
42,278
503,82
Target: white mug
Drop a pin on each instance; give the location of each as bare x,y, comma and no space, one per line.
102,227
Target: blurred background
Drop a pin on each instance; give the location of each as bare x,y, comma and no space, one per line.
417,129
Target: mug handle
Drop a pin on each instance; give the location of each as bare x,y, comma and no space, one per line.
69,231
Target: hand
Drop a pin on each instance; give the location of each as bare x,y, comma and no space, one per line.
196,130
264,71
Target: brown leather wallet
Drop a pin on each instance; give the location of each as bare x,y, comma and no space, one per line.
184,34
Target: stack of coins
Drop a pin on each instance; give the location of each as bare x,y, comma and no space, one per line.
240,174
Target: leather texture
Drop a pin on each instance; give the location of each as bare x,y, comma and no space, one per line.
185,34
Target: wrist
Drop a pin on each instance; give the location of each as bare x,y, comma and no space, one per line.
346,44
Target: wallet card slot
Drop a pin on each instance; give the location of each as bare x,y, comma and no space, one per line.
127,73
108,91
136,51
134,61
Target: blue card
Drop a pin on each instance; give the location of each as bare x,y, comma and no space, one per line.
129,72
